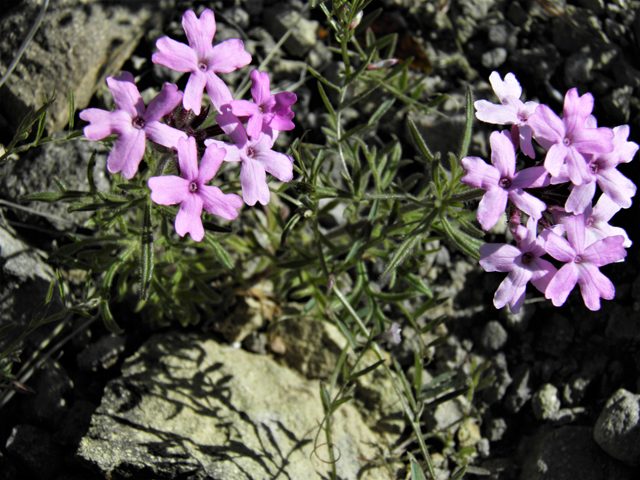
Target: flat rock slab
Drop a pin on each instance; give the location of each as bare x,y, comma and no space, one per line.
78,45
188,407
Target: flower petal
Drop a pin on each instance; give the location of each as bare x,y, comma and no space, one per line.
497,114
228,56
277,164
575,233
547,125
503,155
188,219
163,103
491,206
580,198
234,154
188,158
498,257
168,189
103,123
218,91
244,108
479,173
232,126
618,187
200,31
559,248
260,87
220,204
509,87
555,158
593,286
543,272
576,109
125,94
532,177
253,179
127,153
210,163
561,284
175,55
605,251
193,92
163,134
527,203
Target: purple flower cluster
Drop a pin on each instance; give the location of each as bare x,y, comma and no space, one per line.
252,145
577,234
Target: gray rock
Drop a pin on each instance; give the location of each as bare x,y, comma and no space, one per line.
78,45
494,58
33,450
493,336
281,17
517,14
496,391
35,171
569,453
595,6
520,391
102,354
617,430
540,61
187,406
253,7
570,40
496,429
75,424
618,104
237,15
545,402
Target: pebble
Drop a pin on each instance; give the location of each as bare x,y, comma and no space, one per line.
493,336
496,429
617,429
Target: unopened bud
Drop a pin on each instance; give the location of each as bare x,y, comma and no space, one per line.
356,20
393,334
389,62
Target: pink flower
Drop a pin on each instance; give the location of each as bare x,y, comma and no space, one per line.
202,60
502,183
603,172
132,123
569,138
582,264
596,221
268,112
191,191
513,111
256,156
523,264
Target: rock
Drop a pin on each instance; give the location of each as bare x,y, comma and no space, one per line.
617,430
493,336
569,453
516,14
446,414
496,429
36,169
104,353
595,6
496,391
8,470
281,17
545,402
187,406
33,450
520,389
78,45
48,406
468,433
237,15
492,59
618,104
312,346
75,424
540,61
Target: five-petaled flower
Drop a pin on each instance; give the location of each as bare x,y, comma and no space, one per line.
191,190
269,113
570,138
582,264
202,60
513,111
132,123
523,264
256,156
502,183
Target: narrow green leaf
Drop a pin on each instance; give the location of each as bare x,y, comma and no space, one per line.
469,228
417,283
468,195
364,371
212,227
320,78
325,398
221,254
6,330
41,124
347,334
52,287
353,131
404,249
326,101
367,20
416,471
109,321
72,109
417,376
405,385
91,165
460,473
48,197
380,111
335,405
466,243
130,187
439,379
287,228
147,253
466,137
418,140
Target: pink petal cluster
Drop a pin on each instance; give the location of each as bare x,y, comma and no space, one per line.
132,123
265,117
191,190
579,154
202,60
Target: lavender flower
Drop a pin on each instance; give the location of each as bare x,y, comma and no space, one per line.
132,123
202,60
191,191
502,183
582,264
